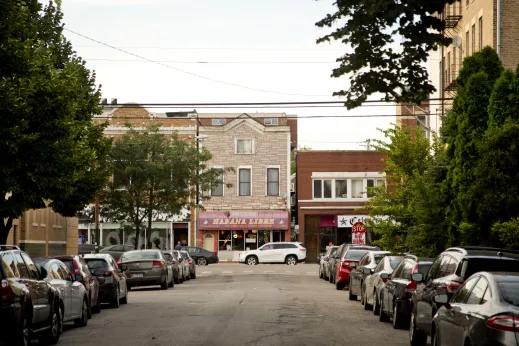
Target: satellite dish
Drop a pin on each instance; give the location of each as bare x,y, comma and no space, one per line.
456,41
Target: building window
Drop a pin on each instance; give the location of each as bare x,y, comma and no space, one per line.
272,181
372,183
341,189
318,190
217,122
224,241
238,241
467,45
217,190
356,188
244,146
244,181
270,121
327,190
473,38
480,32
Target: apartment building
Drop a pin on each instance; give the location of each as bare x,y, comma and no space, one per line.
414,116
253,151
331,194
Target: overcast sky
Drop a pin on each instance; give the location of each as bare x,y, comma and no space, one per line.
257,44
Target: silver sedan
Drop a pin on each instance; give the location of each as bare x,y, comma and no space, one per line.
146,268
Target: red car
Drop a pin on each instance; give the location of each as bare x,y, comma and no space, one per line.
347,263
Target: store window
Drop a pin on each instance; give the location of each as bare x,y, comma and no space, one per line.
278,236
224,241
341,189
251,240
356,188
263,237
238,241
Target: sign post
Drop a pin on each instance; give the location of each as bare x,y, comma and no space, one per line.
358,233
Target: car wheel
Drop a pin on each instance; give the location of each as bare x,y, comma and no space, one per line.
22,332
193,275
367,306
83,320
124,300
291,260
382,317
202,261
165,284
89,306
321,276
416,337
51,335
116,300
339,286
376,304
351,296
397,318
435,340
330,279
251,260
97,308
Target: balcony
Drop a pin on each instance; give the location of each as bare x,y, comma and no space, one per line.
452,15
449,77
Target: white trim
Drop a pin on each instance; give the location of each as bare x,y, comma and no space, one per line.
244,139
358,175
278,167
166,130
58,226
35,224
223,182
32,241
238,180
289,176
57,242
189,243
339,207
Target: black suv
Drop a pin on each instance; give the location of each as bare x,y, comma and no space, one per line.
447,274
21,289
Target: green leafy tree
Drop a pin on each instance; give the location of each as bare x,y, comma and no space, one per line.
154,175
371,30
50,147
508,233
391,209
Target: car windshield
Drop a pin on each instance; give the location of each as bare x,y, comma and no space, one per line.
96,265
69,264
509,291
378,257
423,268
167,256
474,265
394,261
140,255
355,254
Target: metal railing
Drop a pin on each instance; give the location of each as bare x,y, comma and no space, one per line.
452,14
450,74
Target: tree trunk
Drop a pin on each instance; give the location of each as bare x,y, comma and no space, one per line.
150,213
5,228
137,233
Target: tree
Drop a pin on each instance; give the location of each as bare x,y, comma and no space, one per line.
392,208
50,147
369,28
293,156
154,175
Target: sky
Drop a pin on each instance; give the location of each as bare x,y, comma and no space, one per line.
258,50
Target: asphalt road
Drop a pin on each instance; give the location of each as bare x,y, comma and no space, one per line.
234,304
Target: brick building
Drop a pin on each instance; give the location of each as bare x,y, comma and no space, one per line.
256,209
331,193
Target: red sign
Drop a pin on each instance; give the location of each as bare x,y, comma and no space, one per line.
358,227
358,233
243,220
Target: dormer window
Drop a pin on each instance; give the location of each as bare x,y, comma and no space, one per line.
217,121
270,121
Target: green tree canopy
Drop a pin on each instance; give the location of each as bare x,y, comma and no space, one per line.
49,146
373,30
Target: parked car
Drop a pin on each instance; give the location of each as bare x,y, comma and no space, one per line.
145,268
117,250
351,254
21,288
282,252
172,258
75,303
185,266
202,257
191,264
484,311
365,267
395,297
112,280
323,262
447,274
375,283
77,265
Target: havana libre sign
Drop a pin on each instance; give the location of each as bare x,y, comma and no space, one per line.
243,222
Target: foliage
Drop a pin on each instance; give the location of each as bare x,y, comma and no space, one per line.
508,233
154,176
293,156
50,147
370,28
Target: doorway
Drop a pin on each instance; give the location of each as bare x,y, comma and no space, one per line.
209,241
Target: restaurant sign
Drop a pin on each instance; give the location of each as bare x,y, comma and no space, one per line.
243,220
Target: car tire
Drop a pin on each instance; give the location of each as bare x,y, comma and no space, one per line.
330,279
193,275
397,318
97,308
201,261
164,285
435,340
22,332
376,304
124,300
83,320
350,295
251,260
416,337
382,317
339,286
89,306
367,306
116,300
51,335
291,260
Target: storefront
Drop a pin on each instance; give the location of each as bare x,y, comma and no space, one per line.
233,232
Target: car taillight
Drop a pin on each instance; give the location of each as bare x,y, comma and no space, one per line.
120,264
345,264
504,322
452,286
415,269
190,261
76,267
107,273
410,288
157,264
302,249
215,254
6,293
386,280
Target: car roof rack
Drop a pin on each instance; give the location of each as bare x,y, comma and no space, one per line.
466,249
9,247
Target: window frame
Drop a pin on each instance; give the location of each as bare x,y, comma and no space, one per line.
218,121
222,184
272,122
278,167
238,181
378,181
236,140
480,38
473,34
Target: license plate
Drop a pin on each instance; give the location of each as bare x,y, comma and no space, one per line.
138,275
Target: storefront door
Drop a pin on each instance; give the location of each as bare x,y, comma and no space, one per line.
312,232
209,241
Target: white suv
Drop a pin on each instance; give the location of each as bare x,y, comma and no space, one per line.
284,252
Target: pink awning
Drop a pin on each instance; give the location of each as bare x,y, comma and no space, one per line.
246,220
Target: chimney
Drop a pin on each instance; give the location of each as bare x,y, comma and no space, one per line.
104,102
114,102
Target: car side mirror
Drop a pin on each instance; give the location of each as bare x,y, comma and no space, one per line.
79,278
441,299
418,277
384,276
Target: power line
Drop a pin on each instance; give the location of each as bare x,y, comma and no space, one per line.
259,116
187,72
213,62
263,107
221,48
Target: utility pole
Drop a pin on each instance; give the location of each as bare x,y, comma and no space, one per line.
96,220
